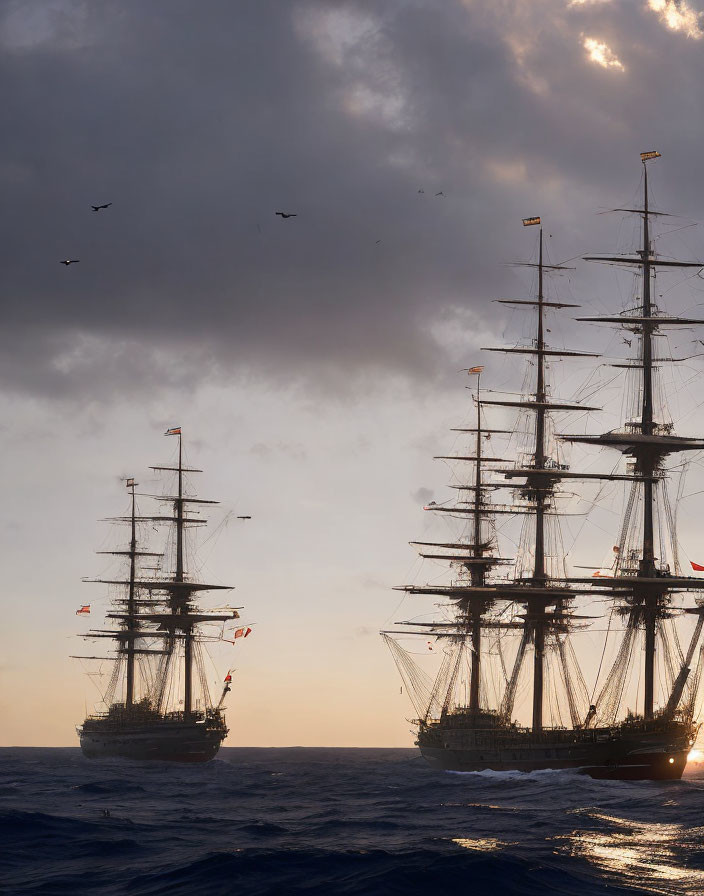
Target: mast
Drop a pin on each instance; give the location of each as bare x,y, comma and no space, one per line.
647,564
541,473
131,608
178,577
537,609
169,612
645,591
477,571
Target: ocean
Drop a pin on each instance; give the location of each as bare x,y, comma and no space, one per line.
338,821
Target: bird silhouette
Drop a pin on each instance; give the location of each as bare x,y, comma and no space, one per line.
377,242
69,261
244,517
96,208
440,193
628,342
287,215
421,191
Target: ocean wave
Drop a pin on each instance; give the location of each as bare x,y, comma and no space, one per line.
260,872
347,822
109,787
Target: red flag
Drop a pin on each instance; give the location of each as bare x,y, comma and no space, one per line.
228,677
86,608
696,566
239,633
247,632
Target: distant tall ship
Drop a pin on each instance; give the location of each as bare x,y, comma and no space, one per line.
499,611
158,701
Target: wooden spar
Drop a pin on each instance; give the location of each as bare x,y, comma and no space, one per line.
132,621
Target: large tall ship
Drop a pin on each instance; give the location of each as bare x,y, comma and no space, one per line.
157,702
507,627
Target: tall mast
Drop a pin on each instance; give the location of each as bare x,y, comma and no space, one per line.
537,610
179,514
179,577
477,570
131,608
545,601
647,564
645,592
539,454
541,475
174,617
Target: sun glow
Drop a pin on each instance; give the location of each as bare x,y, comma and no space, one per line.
678,16
602,54
695,756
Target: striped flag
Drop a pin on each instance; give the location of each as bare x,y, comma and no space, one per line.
176,431
85,610
472,370
528,222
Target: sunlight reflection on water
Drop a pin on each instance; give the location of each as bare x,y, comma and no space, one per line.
651,856
482,844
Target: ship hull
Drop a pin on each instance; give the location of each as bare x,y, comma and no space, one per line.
183,742
627,755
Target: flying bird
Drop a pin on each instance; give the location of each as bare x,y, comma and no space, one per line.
244,517
96,208
69,261
628,342
421,191
287,214
377,242
440,193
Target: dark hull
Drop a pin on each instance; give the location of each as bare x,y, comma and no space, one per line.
646,752
168,742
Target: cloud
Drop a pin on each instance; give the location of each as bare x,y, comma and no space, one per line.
679,16
601,54
198,128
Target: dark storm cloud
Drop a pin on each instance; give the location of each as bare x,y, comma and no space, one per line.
199,121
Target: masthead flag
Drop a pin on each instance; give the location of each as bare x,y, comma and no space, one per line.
176,431
472,370
131,483
85,609
644,156
528,222
228,677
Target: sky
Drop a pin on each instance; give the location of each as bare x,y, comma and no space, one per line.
312,362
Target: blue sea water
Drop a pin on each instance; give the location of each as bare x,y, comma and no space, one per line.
337,821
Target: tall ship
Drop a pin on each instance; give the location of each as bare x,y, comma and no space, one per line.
157,702
507,625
